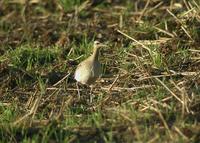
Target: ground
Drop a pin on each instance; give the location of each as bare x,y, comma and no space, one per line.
150,85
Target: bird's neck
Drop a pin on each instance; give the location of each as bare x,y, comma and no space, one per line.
95,54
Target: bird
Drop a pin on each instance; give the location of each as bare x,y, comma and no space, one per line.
89,70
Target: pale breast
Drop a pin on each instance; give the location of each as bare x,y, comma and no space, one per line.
87,72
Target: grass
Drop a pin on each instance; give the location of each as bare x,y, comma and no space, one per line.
152,70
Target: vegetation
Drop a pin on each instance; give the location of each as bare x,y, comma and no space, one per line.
150,87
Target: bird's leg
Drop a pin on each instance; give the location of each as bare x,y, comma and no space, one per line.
91,95
79,95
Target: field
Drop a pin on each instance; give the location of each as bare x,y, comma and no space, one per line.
149,90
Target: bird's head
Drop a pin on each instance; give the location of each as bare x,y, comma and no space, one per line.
98,45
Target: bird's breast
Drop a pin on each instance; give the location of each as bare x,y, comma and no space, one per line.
88,73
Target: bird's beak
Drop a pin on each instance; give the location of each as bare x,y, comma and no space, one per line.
103,45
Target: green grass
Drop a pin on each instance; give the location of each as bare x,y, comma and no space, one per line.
68,4
31,58
155,97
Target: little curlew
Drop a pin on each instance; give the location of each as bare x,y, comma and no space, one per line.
89,70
